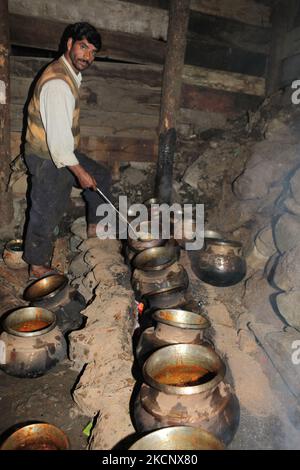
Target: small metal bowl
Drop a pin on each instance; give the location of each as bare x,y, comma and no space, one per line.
27,314
38,436
46,287
178,438
155,259
181,319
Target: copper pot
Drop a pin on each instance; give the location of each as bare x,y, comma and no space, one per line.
173,326
37,436
144,282
169,297
219,262
31,342
13,254
184,386
46,287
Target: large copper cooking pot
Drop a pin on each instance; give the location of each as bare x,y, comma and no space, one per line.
184,385
37,436
31,342
173,326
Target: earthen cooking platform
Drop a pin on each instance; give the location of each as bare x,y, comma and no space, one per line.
96,382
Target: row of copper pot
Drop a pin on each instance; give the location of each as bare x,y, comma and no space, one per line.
183,377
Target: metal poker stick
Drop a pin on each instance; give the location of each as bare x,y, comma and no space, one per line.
114,207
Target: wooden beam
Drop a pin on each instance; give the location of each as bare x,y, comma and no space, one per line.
202,50
213,30
115,45
228,81
6,207
245,11
229,59
103,14
112,149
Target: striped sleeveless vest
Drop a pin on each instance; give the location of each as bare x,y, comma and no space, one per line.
36,141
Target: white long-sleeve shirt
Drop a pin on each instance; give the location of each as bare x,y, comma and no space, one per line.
57,105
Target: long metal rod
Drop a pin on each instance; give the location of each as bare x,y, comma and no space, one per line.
114,207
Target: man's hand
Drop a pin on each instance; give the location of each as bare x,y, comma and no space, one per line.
84,178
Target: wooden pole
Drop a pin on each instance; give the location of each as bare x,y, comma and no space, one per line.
170,100
173,67
282,17
6,204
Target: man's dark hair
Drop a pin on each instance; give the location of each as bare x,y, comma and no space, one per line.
78,31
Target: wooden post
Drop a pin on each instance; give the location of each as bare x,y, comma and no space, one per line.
6,205
170,100
281,19
173,68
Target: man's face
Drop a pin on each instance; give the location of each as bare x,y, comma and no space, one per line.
80,54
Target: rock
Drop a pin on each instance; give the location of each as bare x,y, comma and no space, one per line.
257,300
255,261
288,306
292,206
286,232
192,175
287,271
78,266
279,347
295,185
113,246
269,164
96,256
247,342
264,242
78,228
279,131
134,176
142,166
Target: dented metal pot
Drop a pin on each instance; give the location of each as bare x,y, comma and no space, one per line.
173,326
184,386
31,342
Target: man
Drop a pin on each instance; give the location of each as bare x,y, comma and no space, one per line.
51,150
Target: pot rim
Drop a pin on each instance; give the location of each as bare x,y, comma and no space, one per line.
47,296
170,252
14,242
198,434
224,242
188,390
200,325
26,334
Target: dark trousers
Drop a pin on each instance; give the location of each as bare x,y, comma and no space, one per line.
50,195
